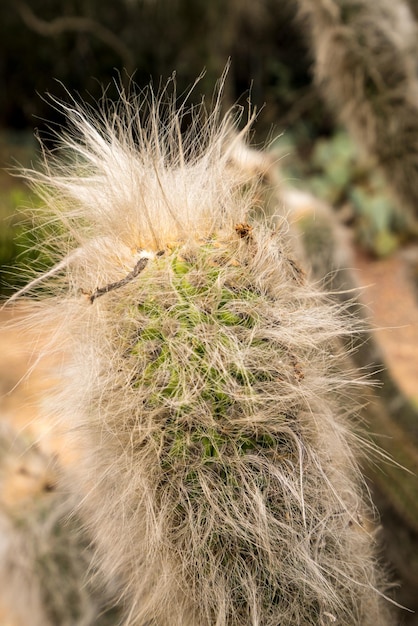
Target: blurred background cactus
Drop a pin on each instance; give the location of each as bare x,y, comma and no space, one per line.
365,63
45,555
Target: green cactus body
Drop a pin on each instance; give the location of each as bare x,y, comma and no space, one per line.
205,332
229,431
218,479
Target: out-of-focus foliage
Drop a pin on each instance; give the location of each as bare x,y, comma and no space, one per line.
20,255
16,238
335,170
365,64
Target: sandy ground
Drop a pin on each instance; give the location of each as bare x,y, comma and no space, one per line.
392,298
24,380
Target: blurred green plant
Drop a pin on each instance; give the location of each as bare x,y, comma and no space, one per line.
334,170
20,254
17,239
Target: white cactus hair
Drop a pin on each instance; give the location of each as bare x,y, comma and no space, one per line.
219,476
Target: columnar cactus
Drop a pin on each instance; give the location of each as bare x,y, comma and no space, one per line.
365,64
219,478
44,555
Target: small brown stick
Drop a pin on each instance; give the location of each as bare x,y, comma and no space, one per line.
120,283
299,274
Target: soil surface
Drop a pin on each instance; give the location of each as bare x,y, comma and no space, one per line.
390,291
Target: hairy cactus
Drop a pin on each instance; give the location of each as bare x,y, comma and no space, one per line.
43,552
365,64
218,473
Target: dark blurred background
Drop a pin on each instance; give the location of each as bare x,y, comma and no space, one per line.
87,44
